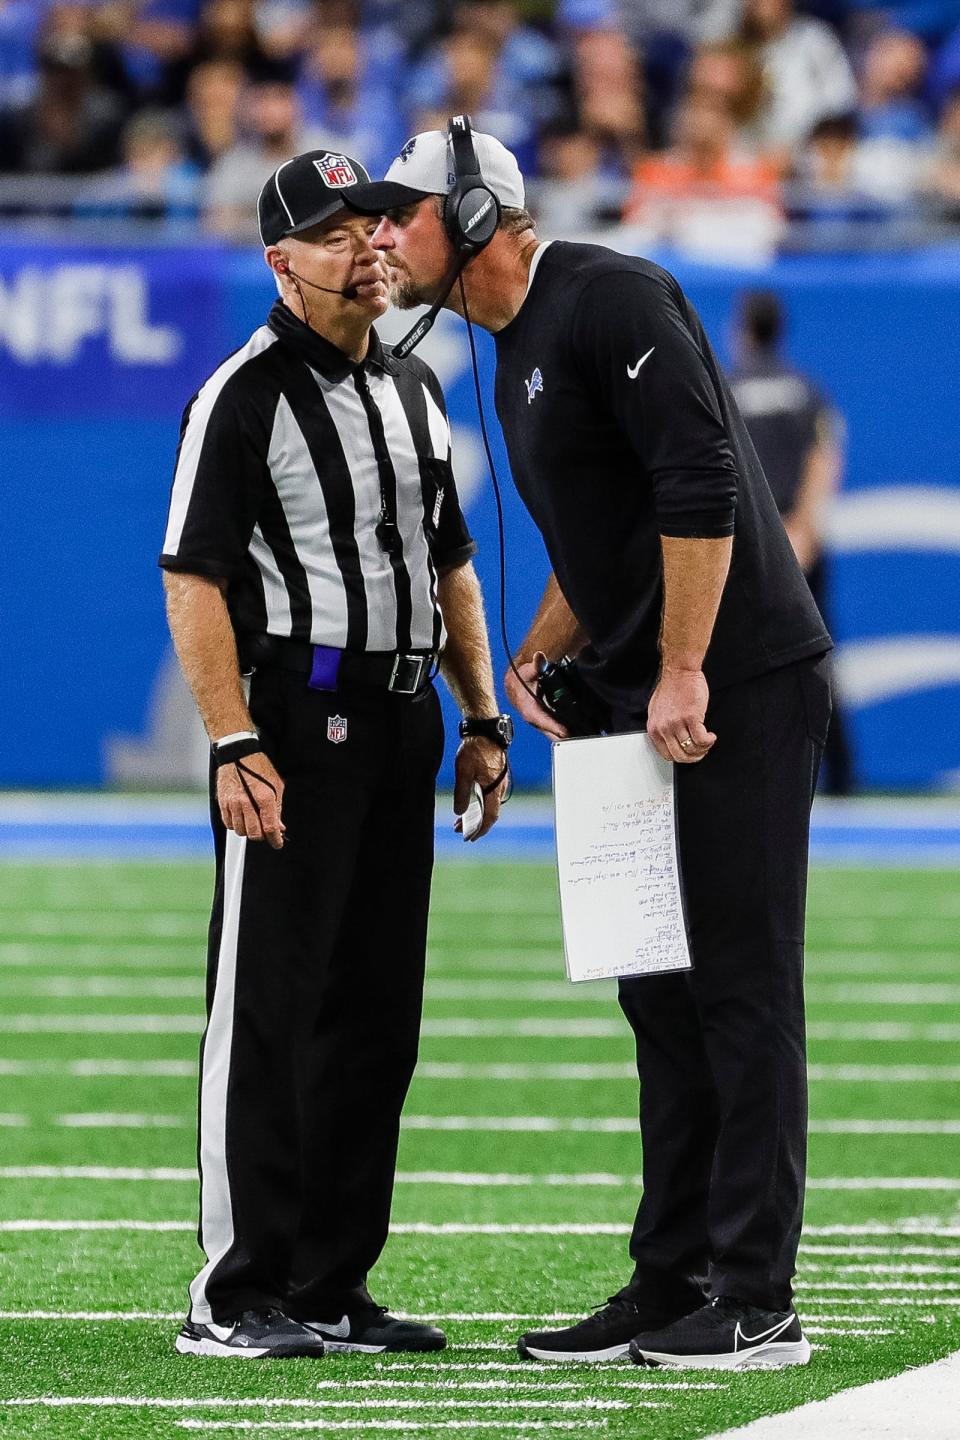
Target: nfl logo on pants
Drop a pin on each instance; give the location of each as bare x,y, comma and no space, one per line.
336,729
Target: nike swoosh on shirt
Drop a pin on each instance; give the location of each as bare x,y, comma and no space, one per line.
770,1334
634,370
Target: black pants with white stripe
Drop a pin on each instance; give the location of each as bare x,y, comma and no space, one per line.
315,983
721,1049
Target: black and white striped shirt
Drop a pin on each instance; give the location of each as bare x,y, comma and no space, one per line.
285,454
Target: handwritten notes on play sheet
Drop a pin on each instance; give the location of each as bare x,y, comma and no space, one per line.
620,897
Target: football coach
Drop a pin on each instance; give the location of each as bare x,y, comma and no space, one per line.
675,585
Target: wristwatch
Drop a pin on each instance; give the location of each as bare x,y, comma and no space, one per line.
499,729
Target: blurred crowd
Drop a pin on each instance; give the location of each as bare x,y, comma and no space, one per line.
702,123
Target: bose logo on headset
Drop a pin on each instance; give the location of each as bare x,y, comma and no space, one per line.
479,215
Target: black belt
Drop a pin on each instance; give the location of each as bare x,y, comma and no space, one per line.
327,668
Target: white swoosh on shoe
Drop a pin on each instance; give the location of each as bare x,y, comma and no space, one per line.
770,1334
340,1331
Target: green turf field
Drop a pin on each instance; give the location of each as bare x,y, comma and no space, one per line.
103,963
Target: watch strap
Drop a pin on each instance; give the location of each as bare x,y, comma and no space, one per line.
498,728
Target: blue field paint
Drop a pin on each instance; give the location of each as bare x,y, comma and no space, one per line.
116,827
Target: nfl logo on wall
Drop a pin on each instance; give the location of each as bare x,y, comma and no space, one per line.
336,729
336,171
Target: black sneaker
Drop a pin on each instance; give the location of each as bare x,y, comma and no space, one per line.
255,1335
605,1335
727,1334
373,1330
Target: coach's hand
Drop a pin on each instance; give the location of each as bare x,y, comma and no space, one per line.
478,761
675,716
526,704
248,804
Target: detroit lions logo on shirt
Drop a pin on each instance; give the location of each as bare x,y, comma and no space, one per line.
534,384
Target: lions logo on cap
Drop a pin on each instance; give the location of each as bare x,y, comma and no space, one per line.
407,150
336,172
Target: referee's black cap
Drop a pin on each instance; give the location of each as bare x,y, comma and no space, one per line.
305,190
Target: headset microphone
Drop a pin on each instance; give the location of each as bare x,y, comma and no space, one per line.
349,292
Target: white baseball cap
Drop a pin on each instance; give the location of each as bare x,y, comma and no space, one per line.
425,167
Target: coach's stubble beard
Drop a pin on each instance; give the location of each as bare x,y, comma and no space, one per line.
405,293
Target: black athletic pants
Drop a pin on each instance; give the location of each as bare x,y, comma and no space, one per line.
315,984
721,1049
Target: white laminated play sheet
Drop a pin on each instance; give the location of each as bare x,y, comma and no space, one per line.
620,898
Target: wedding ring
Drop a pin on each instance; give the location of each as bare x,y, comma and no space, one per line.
685,744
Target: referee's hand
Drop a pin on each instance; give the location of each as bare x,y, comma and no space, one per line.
676,714
478,761
251,799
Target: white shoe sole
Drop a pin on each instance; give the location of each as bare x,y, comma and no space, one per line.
344,1347
763,1357
589,1357
209,1348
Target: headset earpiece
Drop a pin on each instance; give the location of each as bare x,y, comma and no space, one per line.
471,211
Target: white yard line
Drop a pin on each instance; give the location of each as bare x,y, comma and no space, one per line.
517,1367
191,1024
822,963
884,1127
468,1178
466,1029
927,1302
925,993
34,954
903,1286
93,1120
158,1227
547,1124
92,1315
365,1402
501,1317
886,1074
458,1228
861,1268
521,1124
855,1334
433,1070
913,1225
407,1426
920,1404
949,1251
885,1031
94,1069
471,1178
114,987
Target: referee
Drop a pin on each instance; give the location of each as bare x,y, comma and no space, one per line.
675,582
315,539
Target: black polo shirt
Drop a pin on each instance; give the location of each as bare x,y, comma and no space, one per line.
620,428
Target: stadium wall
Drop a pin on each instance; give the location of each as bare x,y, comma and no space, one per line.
101,347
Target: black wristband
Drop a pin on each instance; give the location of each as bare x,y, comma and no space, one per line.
235,750
498,728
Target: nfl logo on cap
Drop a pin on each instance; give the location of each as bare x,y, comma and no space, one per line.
336,729
336,171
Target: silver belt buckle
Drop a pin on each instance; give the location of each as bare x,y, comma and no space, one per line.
408,673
